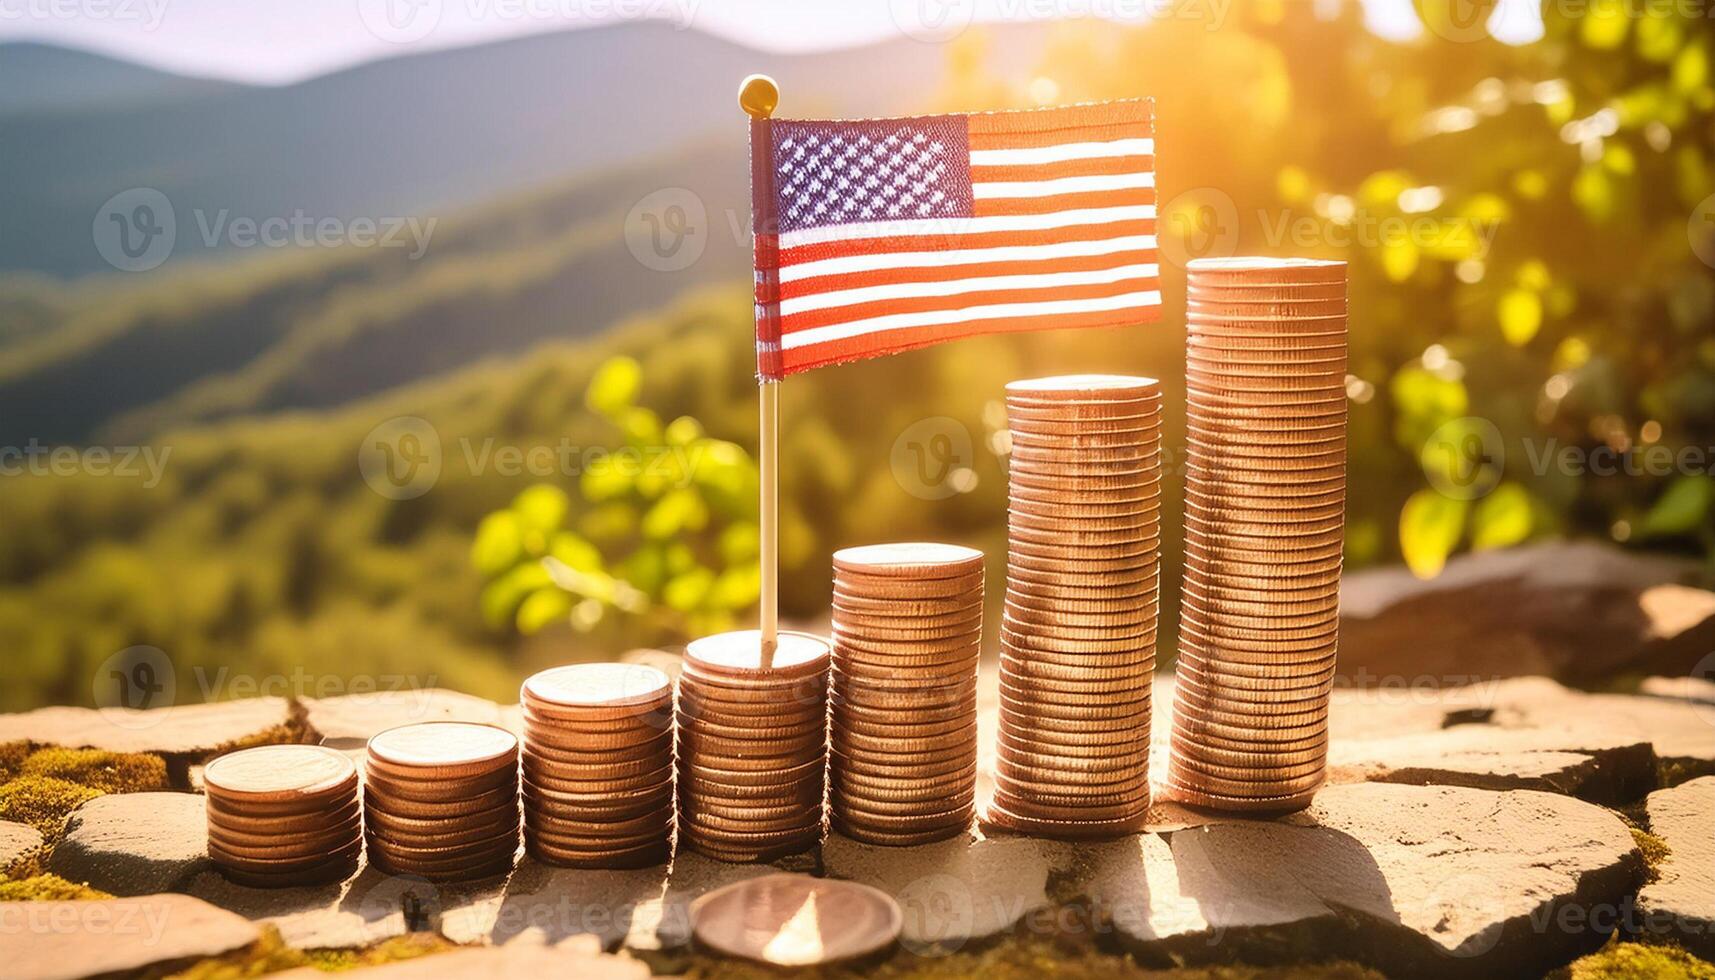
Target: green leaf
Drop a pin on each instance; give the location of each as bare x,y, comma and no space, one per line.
499,544
576,552
615,386
1604,24
543,608
1681,509
686,592
500,598
541,508
1502,518
740,541
1430,526
675,513
683,431
1520,313
737,588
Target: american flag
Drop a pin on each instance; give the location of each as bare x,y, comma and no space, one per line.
881,235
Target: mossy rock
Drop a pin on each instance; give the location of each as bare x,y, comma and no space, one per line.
47,888
1654,851
1637,961
399,948
12,756
43,802
111,772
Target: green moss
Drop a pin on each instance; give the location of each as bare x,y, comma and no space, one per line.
111,772
269,954
1654,850
46,888
1636,961
12,756
406,947
43,802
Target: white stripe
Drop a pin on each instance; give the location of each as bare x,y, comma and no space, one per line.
984,190
913,290
964,226
962,256
1064,151
905,321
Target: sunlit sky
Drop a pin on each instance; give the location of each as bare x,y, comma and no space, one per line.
279,41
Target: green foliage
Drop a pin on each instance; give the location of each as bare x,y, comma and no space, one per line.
1637,961
664,528
47,888
1430,526
43,802
110,772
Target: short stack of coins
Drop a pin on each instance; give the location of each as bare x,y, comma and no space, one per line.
1082,599
598,766
440,800
753,745
907,632
281,816
1264,517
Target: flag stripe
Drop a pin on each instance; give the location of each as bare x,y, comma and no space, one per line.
927,243
1058,204
964,270
1062,185
938,261
870,312
1066,168
1060,152
1049,276
962,226
969,314
912,338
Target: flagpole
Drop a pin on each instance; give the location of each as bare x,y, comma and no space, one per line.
758,95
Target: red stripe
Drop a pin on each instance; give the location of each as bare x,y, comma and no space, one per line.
971,270
993,206
1093,167
987,239
1134,114
1055,137
935,304
894,341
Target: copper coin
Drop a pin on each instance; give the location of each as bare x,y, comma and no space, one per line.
740,654
794,920
299,776
869,835
1000,818
1274,292
277,865
899,587
328,872
912,560
312,846
437,790
269,822
444,749
646,856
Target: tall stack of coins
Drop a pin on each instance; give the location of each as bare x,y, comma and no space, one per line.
284,815
902,764
753,745
1265,499
598,766
1082,596
440,800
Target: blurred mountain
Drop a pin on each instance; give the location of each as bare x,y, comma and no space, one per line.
417,135
44,80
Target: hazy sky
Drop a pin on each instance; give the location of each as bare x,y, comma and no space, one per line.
276,41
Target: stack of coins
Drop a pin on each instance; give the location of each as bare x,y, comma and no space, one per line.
1082,597
1264,514
902,763
598,766
753,745
440,800
284,815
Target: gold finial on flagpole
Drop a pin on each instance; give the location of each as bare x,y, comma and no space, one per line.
757,96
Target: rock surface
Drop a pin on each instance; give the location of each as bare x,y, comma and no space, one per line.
17,841
1576,611
1415,881
134,843
350,720
72,940
368,909
553,904
1680,905
954,891
189,730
